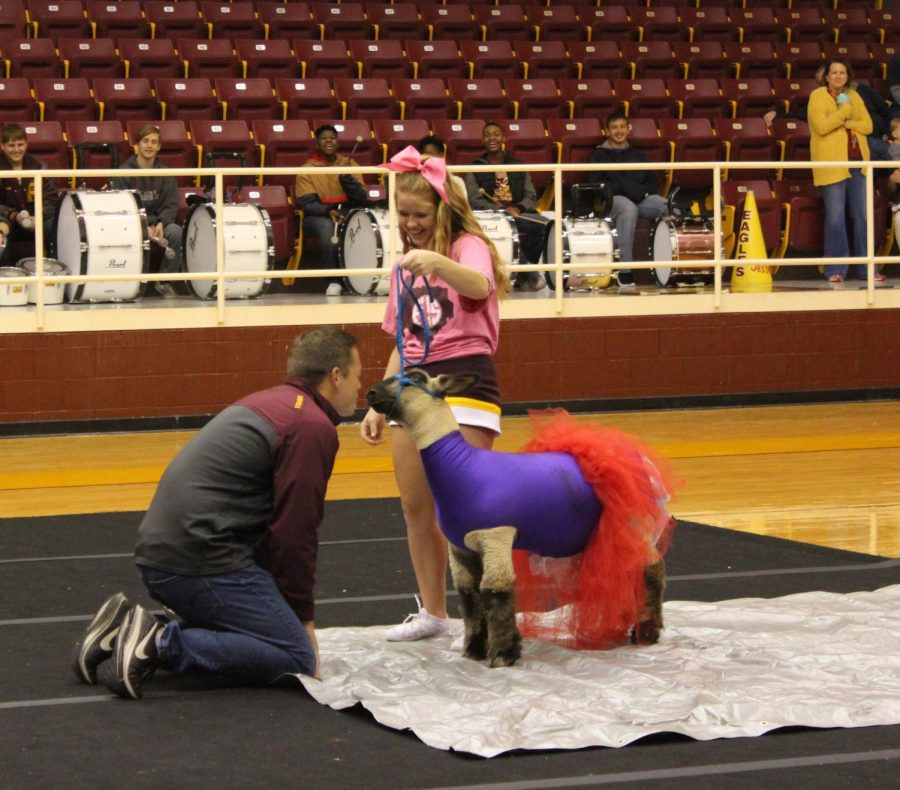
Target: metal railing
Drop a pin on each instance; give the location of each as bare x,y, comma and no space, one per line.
556,269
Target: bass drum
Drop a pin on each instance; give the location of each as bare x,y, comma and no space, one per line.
53,292
249,246
102,233
687,239
363,244
500,228
585,240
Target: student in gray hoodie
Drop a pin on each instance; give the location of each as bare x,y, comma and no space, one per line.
159,197
634,191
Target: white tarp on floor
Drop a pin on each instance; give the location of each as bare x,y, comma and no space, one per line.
721,670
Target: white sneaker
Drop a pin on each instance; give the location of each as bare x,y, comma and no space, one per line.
422,625
334,289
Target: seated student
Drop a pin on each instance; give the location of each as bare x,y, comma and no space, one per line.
159,197
513,193
324,199
17,198
634,191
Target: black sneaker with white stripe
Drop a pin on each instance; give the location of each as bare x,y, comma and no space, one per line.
134,659
98,641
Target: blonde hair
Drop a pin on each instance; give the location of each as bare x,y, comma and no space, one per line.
452,219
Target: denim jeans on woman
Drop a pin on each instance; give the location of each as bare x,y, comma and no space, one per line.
845,205
234,624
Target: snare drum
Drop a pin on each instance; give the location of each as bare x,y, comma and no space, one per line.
500,228
585,240
363,244
687,239
249,246
12,294
102,233
53,292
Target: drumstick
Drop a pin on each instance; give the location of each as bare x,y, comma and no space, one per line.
334,237
498,203
359,139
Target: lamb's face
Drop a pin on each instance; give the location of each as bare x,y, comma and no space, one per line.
400,397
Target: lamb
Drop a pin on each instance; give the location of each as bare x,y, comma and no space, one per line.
596,549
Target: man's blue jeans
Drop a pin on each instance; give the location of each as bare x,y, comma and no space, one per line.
845,200
234,624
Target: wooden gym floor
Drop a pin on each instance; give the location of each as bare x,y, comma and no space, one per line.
822,474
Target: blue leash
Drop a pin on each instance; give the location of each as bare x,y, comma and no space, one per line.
404,292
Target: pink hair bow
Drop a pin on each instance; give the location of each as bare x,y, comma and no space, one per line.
433,169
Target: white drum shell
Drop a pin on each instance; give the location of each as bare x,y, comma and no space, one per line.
586,240
12,294
363,239
102,233
54,293
500,228
249,246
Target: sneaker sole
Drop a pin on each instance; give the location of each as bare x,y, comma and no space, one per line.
110,616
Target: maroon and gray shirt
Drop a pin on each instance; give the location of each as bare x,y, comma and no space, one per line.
251,484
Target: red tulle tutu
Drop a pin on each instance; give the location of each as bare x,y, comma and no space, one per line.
592,601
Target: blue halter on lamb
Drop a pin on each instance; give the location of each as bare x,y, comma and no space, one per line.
572,527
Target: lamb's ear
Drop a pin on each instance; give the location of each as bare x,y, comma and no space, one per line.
453,385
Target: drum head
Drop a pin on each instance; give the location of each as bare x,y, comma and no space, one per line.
199,247
665,249
360,246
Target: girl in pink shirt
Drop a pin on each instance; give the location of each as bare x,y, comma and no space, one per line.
443,246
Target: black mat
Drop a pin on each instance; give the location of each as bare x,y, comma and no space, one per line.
194,732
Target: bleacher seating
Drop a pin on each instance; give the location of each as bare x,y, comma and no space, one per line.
64,100
366,98
47,142
16,102
696,78
121,100
283,144
247,99
186,99
175,20
122,19
309,99
31,57
150,57
90,57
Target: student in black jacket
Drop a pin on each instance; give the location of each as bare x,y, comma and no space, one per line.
634,191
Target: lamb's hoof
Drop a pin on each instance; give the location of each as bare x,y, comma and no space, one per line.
647,632
475,648
506,658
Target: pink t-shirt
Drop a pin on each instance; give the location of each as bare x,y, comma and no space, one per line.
459,326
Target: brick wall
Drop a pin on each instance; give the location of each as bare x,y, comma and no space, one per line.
107,375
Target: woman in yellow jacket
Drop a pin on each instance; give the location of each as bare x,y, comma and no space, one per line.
838,126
